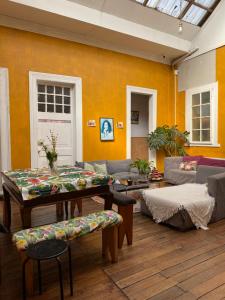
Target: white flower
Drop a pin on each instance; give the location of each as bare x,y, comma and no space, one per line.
40,142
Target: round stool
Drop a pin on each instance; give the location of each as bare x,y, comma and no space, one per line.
45,250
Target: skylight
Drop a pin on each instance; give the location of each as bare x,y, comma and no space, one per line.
195,12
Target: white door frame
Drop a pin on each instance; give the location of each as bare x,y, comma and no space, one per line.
76,82
152,115
5,149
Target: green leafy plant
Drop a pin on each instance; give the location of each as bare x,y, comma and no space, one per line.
50,152
169,139
144,167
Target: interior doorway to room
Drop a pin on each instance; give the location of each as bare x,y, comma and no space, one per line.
141,120
139,126
56,106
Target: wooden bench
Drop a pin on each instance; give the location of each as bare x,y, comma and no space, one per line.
108,221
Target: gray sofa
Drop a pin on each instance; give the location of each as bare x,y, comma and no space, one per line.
213,176
173,175
120,169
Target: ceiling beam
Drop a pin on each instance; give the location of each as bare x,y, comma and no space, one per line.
183,13
145,2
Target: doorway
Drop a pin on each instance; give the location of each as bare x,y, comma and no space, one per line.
141,120
56,106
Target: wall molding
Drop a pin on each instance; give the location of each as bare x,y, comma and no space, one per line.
76,82
5,150
152,115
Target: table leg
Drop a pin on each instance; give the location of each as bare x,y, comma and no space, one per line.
25,213
6,209
73,204
29,274
108,201
126,228
59,209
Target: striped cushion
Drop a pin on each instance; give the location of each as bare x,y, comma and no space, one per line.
67,230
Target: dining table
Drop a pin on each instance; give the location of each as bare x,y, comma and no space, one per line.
31,188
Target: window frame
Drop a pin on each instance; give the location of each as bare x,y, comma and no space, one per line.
213,89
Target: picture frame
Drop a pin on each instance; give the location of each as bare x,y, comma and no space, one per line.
134,117
120,125
91,123
106,129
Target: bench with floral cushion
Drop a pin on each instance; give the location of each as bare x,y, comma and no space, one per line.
107,221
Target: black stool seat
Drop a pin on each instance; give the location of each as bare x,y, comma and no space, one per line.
47,249
44,250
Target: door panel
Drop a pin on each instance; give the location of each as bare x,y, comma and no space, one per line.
55,113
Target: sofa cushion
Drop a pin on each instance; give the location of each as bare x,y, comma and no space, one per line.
180,177
89,167
193,158
67,230
212,162
101,168
80,164
116,166
203,172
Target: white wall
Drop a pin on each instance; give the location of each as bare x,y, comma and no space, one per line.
197,71
140,103
212,34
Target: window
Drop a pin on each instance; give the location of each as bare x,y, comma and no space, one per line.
54,98
201,114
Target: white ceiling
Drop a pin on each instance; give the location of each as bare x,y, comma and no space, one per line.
134,12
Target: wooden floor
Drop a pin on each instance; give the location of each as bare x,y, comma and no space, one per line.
161,264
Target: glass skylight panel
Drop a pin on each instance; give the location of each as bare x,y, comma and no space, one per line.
153,3
172,7
194,15
207,3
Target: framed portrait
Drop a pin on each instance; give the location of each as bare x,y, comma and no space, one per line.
134,117
106,129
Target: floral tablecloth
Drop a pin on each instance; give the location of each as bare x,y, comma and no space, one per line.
38,182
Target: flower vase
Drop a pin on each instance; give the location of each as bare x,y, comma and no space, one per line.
53,167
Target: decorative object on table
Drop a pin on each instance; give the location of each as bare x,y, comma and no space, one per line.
106,129
129,182
144,167
169,139
134,117
155,175
119,125
50,151
81,183
91,123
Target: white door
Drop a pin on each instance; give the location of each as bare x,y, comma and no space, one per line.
55,112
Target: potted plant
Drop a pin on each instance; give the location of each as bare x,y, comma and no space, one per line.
169,139
144,167
50,151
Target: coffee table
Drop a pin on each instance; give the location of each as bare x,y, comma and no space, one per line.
135,190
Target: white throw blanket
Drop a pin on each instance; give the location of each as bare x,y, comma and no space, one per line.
165,202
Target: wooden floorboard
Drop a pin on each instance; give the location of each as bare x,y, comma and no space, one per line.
162,264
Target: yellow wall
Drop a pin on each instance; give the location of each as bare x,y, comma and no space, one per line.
104,74
220,76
